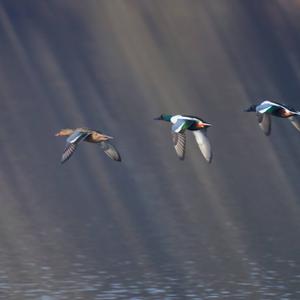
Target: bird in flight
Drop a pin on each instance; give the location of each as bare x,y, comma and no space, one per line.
266,109
181,123
75,136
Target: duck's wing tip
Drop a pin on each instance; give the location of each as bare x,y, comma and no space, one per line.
111,151
210,158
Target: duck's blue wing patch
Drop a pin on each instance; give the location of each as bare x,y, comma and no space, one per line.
264,107
268,106
77,136
181,125
178,126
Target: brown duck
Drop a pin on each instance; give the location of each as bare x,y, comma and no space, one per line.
77,135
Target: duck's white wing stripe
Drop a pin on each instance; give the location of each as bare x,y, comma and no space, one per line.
204,144
179,141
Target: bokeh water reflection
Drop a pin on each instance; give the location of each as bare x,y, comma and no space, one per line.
80,276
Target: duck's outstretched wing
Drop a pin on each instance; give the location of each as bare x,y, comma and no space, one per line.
295,120
264,121
110,151
72,142
69,150
179,141
203,143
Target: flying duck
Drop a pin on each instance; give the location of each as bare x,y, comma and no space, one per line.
181,123
75,136
266,109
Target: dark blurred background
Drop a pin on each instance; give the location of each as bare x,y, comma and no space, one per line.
151,227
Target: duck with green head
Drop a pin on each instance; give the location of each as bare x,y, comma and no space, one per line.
266,109
77,135
181,123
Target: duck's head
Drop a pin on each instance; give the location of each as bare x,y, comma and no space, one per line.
164,117
64,132
251,108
